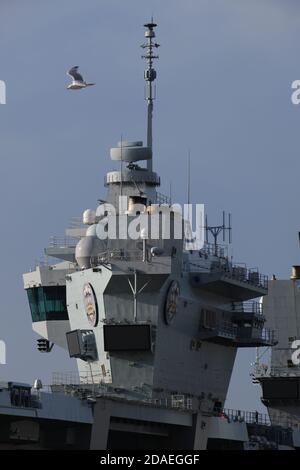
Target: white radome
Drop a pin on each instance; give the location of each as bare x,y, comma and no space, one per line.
89,217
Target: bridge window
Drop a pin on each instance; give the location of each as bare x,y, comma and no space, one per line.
48,303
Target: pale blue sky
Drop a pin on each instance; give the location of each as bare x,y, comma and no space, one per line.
223,91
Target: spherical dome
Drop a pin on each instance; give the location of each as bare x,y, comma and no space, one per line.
83,252
89,217
91,231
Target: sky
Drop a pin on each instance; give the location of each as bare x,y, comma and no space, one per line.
223,91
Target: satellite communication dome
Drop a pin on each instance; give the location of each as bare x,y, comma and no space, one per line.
83,252
89,217
91,231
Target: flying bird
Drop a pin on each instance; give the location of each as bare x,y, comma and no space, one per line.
77,81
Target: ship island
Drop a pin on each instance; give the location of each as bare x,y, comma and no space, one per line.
154,324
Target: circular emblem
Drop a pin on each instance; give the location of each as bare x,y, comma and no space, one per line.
171,302
90,304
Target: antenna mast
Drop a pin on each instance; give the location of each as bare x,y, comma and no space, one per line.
189,178
150,76
216,230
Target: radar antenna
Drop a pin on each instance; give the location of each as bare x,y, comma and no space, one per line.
150,76
216,230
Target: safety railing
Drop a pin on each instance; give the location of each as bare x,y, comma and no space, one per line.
75,378
232,271
63,242
267,335
76,222
46,263
210,249
239,335
73,384
250,335
109,256
173,401
162,198
252,417
249,276
265,370
222,329
247,307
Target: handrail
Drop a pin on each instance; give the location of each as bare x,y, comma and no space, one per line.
253,417
162,198
210,249
264,370
233,271
247,307
108,256
63,242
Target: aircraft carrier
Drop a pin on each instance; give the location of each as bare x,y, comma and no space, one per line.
154,325
279,374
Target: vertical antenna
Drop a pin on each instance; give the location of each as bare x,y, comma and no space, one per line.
189,183
189,178
216,230
121,165
150,76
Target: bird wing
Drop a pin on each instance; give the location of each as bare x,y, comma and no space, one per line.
73,72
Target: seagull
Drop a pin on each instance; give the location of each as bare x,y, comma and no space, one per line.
77,81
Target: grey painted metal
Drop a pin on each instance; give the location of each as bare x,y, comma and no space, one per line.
150,76
130,154
184,364
282,311
51,406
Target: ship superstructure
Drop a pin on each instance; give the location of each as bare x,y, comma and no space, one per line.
154,326
279,377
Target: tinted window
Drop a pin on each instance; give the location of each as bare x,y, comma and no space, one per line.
48,303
